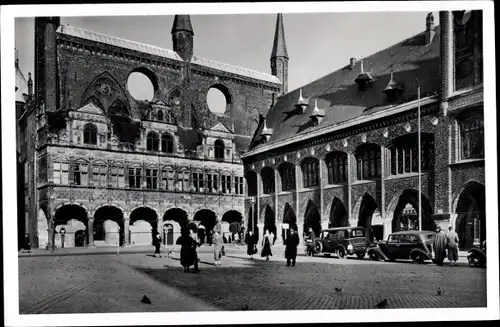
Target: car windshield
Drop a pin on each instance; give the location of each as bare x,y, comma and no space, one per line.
357,233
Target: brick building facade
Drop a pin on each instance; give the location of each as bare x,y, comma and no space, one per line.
98,167
343,150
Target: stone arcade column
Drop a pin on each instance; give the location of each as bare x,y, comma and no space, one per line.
260,225
350,172
300,218
322,170
91,232
383,175
279,227
126,229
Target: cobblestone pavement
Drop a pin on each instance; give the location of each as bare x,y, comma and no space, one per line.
116,283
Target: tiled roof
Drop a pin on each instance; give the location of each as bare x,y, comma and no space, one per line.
242,143
165,53
338,94
118,42
235,69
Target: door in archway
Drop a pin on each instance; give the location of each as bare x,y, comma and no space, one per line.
312,219
168,234
80,238
366,211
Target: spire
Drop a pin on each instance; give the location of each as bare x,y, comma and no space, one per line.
182,23
279,45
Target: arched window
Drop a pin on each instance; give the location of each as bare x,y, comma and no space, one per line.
310,172
267,175
472,136
90,134
219,150
167,143
252,183
336,163
160,115
152,141
404,154
287,173
368,161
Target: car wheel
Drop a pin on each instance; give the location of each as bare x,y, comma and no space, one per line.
318,247
361,255
374,256
417,258
341,253
473,260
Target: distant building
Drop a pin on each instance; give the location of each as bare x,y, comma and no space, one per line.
109,169
343,150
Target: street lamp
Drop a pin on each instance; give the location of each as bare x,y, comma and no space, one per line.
62,232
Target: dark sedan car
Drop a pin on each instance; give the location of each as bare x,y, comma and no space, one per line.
414,245
341,241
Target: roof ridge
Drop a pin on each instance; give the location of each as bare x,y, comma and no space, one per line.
233,65
62,27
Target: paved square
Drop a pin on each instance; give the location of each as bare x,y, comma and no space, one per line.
116,283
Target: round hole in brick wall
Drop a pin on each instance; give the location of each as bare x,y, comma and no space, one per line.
218,99
140,86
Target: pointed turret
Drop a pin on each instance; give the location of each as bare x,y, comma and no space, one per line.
22,91
182,36
279,54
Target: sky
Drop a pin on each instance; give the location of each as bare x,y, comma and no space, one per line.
317,43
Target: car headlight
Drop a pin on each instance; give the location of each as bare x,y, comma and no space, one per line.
349,247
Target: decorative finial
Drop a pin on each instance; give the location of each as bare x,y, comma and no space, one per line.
362,67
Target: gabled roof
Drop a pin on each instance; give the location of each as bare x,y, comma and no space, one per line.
165,53
339,95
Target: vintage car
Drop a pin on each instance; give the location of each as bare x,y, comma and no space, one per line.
414,245
341,241
477,256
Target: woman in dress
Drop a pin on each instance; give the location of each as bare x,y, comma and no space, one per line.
266,246
218,243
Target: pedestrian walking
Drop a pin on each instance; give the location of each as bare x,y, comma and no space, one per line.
27,243
188,251
251,244
194,251
266,246
157,244
291,247
440,242
452,238
218,245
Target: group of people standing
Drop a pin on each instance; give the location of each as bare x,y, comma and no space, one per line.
443,243
291,243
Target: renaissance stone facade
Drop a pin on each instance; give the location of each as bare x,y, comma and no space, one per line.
343,150
103,168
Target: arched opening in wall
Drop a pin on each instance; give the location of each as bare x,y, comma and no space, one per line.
171,234
108,226
143,225
207,219
471,216
406,213
252,222
338,214
141,84
219,149
270,222
232,217
218,99
287,174
367,208
67,221
289,218
312,219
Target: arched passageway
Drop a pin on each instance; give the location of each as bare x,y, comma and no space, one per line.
252,222
175,221
270,222
406,213
108,226
143,225
207,219
70,219
367,208
338,214
312,219
289,218
471,216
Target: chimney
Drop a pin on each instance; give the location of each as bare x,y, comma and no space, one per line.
429,28
352,63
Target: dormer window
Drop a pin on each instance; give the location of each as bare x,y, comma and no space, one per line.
266,132
152,143
160,115
302,103
392,89
317,114
90,134
363,78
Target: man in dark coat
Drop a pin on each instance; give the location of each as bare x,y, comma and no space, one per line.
440,243
157,244
188,252
27,243
291,247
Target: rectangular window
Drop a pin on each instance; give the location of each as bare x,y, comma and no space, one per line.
216,182
241,185
60,173
229,185
223,183
196,182
407,159
168,180
393,161
209,183
99,174
183,181
152,179
134,177
80,174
